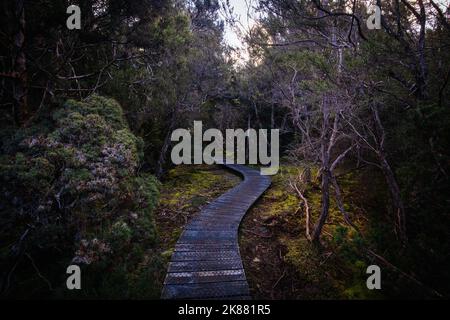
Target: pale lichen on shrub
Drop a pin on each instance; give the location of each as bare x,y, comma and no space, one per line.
75,193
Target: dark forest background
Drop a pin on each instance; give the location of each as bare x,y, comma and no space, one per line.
86,117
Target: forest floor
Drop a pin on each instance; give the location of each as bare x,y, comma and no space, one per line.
279,262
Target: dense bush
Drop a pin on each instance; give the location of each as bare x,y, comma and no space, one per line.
71,193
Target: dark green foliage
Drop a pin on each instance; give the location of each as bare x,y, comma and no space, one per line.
398,75
74,181
71,167
74,195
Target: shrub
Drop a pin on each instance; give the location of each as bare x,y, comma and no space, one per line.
73,194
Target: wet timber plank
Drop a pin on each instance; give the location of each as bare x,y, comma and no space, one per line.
214,290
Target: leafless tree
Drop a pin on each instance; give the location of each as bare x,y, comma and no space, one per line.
370,135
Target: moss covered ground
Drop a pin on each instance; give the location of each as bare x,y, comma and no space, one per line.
279,261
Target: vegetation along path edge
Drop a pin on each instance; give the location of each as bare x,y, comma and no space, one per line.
206,263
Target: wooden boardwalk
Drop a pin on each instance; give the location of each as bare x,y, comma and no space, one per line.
206,263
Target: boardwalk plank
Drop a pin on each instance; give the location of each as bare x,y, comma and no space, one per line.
205,255
186,277
206,290
186,266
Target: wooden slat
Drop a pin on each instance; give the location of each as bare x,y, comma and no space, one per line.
204,247
205,276
180,266
206,290
205,255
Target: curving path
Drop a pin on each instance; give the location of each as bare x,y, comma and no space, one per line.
206,263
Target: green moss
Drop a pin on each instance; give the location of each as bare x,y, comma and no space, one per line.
322,273
311,267
63,156
77,176
120,233
193,184
106,108
167,254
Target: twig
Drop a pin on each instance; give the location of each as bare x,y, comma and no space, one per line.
305,202
258,234
38,272
279,279
383,260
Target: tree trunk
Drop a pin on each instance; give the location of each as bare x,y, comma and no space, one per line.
20,66
422,72
325,148
162,156
325,186
394,189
